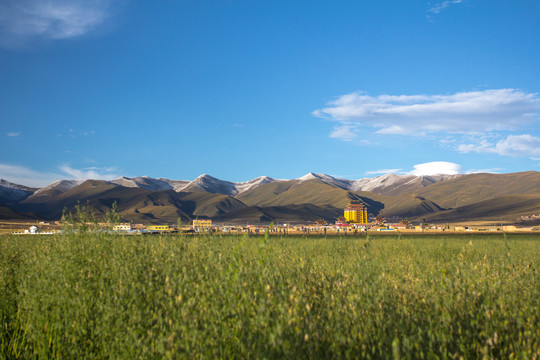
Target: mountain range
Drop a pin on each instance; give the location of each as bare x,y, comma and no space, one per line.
437,198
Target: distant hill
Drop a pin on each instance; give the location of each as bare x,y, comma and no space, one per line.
301,213
7,213
294,192
505,207
11,193
473,188
264,199
134,203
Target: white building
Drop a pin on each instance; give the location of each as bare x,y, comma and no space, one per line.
122,227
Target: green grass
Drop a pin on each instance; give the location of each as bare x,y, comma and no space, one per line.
104,296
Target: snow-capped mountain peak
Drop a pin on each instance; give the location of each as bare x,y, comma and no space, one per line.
13,193
60,186
327,179
388,184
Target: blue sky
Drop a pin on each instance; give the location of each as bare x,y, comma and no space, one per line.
240,89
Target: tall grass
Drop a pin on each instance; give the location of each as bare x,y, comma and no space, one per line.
106,296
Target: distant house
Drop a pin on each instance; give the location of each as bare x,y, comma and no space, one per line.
202,223
122,227
158,228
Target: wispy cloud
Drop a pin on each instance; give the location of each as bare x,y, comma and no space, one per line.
465,112
13,133
30,177
25,20
343,132
483,171
438,7
25,176
74,134
89,173
449,119
513,145
435,168
383,171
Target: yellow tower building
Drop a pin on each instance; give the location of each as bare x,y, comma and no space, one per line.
356,213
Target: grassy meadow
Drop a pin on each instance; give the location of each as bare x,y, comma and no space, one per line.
106,296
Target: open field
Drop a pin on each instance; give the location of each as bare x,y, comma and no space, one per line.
408,296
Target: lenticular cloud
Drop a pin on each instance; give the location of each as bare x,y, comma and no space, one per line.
465,112
436,167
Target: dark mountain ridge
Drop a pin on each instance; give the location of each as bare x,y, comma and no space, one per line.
313,196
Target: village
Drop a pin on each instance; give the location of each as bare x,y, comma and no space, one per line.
355,221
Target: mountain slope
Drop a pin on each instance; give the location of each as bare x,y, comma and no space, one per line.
300,213
393,184
145,199
54,189
6,213
312,191
51,201
134,203
209,205
11,193
214,185
473,188
505,207
405,205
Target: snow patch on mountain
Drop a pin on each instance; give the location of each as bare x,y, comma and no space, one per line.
11,193
392,183
143,182
177,185
389,184
327,179
252,184
383,181
60,186
212,185
9,185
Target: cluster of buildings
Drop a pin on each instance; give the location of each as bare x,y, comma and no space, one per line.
354,220
198,225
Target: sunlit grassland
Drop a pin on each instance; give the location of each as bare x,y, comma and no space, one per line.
109,296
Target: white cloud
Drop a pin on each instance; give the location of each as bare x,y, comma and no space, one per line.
484,171
23,20
26,176
88,173
29,177
429,168
13,133
461,113
344,132
393,130
436,167
383,171
513,145
437,8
